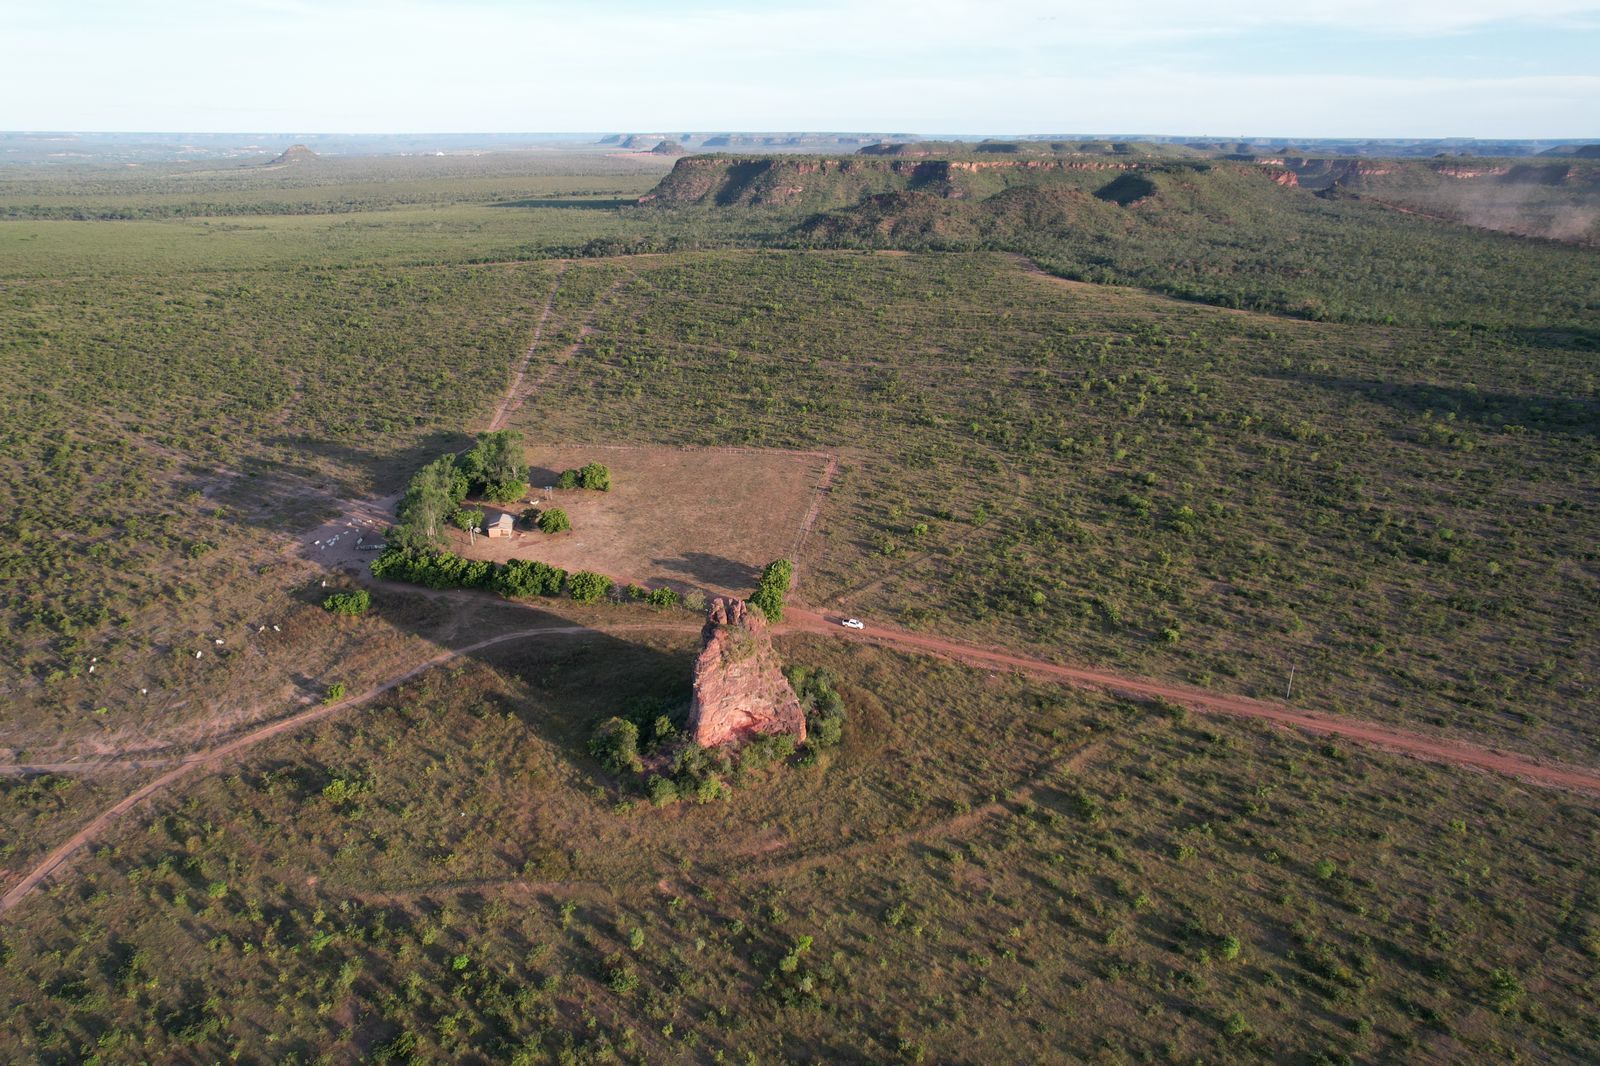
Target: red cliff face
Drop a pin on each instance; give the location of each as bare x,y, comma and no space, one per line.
1282,176
739,690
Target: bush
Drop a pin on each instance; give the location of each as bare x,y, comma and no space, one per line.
586,586
662,597
824,708
591,476
661,790
348,603
525,577
554,520
335,692
616,744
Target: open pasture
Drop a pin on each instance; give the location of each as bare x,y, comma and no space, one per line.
705,518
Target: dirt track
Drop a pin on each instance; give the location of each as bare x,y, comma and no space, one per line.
511,397
189,764
1433,749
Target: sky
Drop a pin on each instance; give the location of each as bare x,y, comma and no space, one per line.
1220,68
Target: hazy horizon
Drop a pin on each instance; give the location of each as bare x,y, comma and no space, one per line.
1423,69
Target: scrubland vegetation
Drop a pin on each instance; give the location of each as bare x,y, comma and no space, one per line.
1386,483
1162,486
1039,873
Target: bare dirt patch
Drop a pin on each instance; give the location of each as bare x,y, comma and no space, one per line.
705,518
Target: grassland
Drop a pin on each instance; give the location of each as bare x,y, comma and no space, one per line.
1170,488
1398,502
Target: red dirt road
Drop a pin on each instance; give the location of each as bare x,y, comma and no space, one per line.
1432,749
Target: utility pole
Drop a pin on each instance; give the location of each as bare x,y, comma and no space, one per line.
1289,691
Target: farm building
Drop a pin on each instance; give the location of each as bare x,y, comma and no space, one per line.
502,526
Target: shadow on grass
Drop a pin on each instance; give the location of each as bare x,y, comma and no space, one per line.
608,204
1489,409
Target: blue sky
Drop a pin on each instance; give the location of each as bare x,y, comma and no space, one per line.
1423,68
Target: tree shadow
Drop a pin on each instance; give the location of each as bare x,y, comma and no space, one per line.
707,569
1493,410
387,468
608,204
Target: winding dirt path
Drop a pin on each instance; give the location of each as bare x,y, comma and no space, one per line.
1432,749
191,763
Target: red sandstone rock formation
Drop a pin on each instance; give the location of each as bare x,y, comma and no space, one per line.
739,691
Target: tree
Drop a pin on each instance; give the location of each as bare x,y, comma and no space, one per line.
772,589
434,494
496,467
586,586
467,520
554,520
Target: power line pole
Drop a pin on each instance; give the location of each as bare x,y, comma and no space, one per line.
1289,691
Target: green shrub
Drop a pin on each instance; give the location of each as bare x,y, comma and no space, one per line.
593,476
586,586
661,790
554,520
525,577
335,692
615,743
662,597
824,708
348,603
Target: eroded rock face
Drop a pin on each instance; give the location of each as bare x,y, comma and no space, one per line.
739,690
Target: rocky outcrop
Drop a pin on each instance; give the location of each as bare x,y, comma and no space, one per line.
739,690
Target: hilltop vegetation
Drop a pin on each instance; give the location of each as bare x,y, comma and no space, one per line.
1216,232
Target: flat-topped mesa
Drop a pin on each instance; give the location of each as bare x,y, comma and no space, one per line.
739,690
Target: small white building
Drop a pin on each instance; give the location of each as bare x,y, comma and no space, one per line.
503,526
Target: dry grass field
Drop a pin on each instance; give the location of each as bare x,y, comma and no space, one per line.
705,518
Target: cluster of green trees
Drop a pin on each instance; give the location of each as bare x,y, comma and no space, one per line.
436,568
493,469
590,476
773,588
